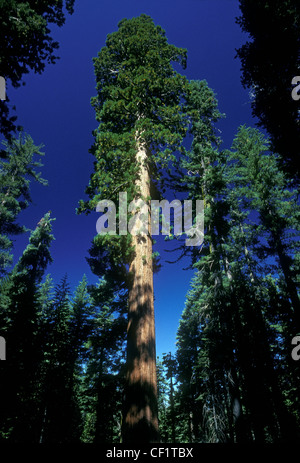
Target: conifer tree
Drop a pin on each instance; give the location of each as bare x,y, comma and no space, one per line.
204,164
80,317
269,62
20,326
65,325
162,401
189,344
232,294
80,328
57,403
103,380
205,176
138,106
276,204
17,171
170,363
269,237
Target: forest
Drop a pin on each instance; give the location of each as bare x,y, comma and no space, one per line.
79,365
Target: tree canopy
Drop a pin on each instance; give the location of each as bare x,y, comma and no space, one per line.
26,42
270,61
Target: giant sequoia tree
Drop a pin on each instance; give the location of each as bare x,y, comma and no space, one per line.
138,106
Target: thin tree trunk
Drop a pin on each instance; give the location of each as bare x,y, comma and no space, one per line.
172,408
100,433
141,415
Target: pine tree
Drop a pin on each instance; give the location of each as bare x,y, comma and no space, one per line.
162,401
79,332
81,317
215,281
171,365
207,312
269,259
17,171
20,326
103,382
57,400
233,293
275,203
45,300
65,326
141,125
189,348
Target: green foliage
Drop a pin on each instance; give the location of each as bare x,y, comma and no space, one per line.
17,171
234,332
103,378
20,325
27,43
232,378
270,60
139,97
162,401
264,188
25,29
59,406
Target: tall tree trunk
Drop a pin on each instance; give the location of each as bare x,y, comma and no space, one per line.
141,415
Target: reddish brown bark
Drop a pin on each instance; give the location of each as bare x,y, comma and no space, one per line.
141,421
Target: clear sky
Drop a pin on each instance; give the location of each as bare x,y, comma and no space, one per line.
54,108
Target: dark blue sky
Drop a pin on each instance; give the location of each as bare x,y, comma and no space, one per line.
54,108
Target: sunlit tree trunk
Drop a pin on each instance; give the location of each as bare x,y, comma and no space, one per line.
141,416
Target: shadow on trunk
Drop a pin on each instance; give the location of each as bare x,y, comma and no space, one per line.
140,411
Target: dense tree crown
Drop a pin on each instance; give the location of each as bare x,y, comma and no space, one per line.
270,61
25,35
26,43
138,94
